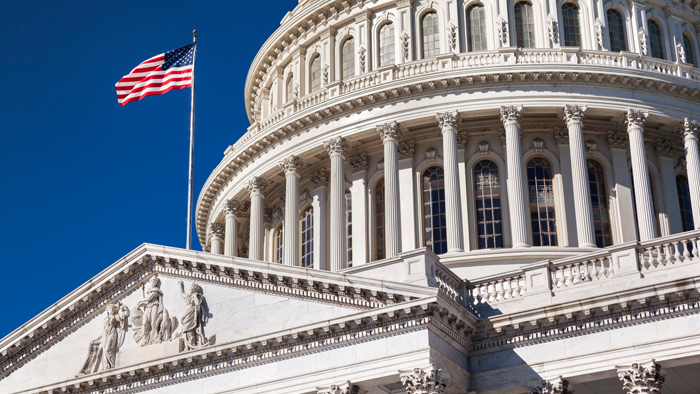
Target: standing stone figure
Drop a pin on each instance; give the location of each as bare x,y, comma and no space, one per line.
152,321
102,354
194,318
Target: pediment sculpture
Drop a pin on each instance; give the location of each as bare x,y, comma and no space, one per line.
195,317
152,322
102,353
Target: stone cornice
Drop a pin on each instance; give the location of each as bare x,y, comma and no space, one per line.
252,145
128,273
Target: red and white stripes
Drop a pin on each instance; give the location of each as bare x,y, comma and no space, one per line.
148,78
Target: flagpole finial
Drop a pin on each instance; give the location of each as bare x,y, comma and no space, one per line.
194,32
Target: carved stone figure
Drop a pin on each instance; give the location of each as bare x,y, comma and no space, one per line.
152,322
102,354
195,317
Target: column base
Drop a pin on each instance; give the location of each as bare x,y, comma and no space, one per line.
516,246
587,245
455,250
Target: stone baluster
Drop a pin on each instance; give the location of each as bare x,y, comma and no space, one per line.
336,148
256,187
390,133
233,210
689,128
292,166
511,117
638,378
449,121
635,120
574,116
216,234
431,380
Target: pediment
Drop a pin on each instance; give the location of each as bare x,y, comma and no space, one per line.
159,303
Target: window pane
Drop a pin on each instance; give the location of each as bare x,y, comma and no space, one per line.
307,238
476,28
348,56
279,243
688,46
386,45
571,24
684,203
316,74
542,209
616,30
599,200
487,195
431,35
657,48
379,219
524,25
434,209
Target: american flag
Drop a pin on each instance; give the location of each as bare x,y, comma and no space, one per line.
157,75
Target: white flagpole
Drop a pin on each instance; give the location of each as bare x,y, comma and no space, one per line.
189,196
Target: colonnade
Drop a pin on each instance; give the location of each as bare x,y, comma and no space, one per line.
223,239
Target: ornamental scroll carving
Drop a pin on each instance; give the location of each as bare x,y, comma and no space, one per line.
257,185
634,117
359,162
664,148
195,318
552,30
235,207
561,136
452,36
642,380
406,150
448,120
345,388
102,353
643,41
462,139
511,114
681,52
599,33
503,31
217,230
574,113
390,131
558,387
431,380
336,146
617,139
267,215
689,128
320,178
292,165
405,45
151,322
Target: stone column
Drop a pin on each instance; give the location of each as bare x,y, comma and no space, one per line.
689,128
574,115
292,166
390,133
336,148
256,187
359,165
635,121
449,121
517,191
233,210
216,234
638,378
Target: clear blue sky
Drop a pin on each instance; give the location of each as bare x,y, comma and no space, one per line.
85,181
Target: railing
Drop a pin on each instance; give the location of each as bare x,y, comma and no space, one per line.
361,82
449,283
554,276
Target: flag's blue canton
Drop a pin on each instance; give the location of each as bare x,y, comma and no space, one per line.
179,57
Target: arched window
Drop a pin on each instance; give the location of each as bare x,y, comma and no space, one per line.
307,238
476,28
616,31
599,202
278,245
379,233
655,44
572,24
684,203
315,74
542,209
290,87
431,35
487,198
386,45
348,58
524,25
689,55
348,225
434,209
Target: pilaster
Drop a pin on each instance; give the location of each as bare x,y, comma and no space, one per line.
360,207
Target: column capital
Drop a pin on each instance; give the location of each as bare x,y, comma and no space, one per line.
664,148
389,131
292,165
642,379
448,121
574,113
428,380
257,185
320,178
406,150
689,128
336,146
235,207
635,117
345,388
359,162
617,139
217,230
561,136
559,386
511,114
